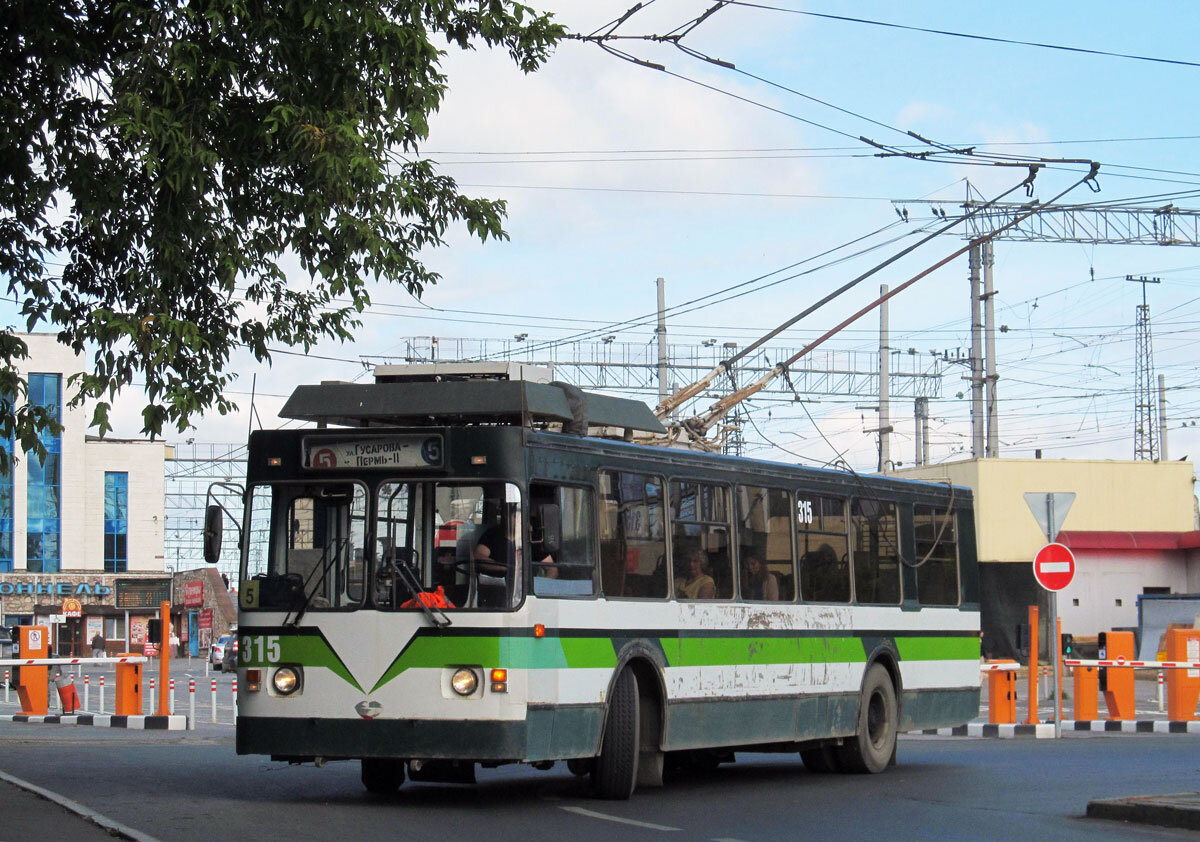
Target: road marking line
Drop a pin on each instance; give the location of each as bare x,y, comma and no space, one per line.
113,827
582,811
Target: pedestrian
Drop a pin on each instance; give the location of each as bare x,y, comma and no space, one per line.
98,645
174,644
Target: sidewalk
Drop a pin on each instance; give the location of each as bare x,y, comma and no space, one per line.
29,816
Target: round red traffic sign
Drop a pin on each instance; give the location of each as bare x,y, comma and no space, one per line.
1054,567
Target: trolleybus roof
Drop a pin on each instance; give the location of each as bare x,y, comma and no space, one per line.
514,402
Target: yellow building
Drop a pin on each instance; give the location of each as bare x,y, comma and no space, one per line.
1132,528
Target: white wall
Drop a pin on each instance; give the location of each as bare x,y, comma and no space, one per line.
1104,577
143,461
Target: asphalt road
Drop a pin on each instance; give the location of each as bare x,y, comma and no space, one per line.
191,786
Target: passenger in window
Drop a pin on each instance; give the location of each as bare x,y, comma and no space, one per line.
758,583
542,552
698,581
493,555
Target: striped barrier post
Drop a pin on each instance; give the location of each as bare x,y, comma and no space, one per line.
171,698
151,696
1160,691
214,701
102,694
191,704
235,699
87,682
6,687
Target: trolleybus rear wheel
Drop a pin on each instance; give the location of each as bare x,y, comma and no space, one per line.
874,741
382,775
614,772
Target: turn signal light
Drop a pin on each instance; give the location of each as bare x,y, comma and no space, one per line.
539,630
253,680
499,681
274,461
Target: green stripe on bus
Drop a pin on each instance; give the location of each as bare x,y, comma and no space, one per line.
307,650
531,653
938,648
738,651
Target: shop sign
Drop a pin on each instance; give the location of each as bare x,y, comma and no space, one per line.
193,594
206,619
54,589
71,607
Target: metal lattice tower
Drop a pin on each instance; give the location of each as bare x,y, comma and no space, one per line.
1145,404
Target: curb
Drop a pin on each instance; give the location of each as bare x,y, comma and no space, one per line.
113,828
1045,730
99,720
1181,810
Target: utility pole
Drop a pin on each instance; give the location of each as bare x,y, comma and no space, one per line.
921,433
989,352
1162,418
885,428
661,330
977,418
1145,407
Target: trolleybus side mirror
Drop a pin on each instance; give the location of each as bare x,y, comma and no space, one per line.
213,528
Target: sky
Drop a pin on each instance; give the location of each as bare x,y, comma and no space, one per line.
755,178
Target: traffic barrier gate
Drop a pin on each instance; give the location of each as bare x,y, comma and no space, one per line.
1116,683
1183,685
67,697
129,688
32,690
1087,687
1002,691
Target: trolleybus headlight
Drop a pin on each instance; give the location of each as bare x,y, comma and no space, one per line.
286,681
464,681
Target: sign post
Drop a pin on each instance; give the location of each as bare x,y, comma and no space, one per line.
1053,571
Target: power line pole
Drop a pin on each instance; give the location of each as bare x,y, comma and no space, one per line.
921,436
885,411
1145,405
661,330
989,353
977,417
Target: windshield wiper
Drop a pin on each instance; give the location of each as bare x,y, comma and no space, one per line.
416,589
323,565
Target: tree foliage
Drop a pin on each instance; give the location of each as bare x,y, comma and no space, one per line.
160,160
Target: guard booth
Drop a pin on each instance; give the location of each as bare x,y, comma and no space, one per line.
33,682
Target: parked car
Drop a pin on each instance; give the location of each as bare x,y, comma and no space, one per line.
229,660
216,652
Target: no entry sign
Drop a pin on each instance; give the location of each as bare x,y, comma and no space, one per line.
1054,567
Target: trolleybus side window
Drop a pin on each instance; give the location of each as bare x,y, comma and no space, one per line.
560,540
700,540
824,548
765,544
937,556
633,544
305,545
875,531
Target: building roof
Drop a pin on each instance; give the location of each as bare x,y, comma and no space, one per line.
1084,540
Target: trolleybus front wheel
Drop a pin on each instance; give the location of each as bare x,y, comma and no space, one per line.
382,775
614,771
874,741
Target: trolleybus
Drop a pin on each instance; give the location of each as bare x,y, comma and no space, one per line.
441,574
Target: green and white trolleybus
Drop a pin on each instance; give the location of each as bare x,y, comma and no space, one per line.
442,573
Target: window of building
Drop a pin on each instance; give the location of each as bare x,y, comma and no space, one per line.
116,521
114,628
561,524
43,553
876,552
765,544
824,548
703,561
633,544
937,556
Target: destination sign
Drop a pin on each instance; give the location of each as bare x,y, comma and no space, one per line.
390,452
